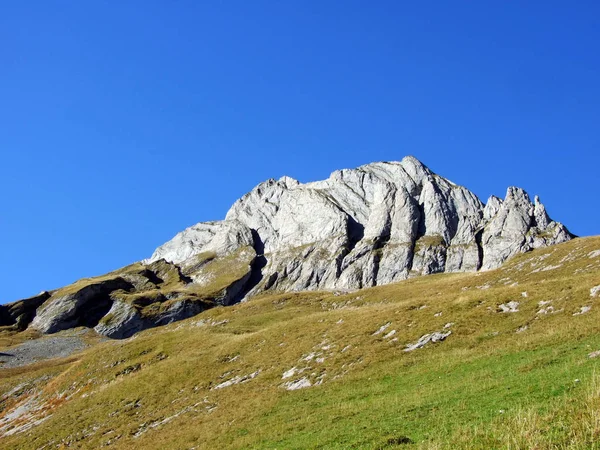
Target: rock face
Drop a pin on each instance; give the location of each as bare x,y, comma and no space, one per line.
137,297
20,314
81,307
373,225
379,223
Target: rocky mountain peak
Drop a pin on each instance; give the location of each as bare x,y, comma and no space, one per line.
376,224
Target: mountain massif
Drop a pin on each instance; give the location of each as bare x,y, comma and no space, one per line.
385,307
364,227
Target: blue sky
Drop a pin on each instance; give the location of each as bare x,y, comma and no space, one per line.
121,123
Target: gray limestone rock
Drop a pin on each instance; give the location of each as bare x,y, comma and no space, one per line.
121,321
77,307
492,208
211,237
373,225
376,224
436,336
125,319
186,244
518,226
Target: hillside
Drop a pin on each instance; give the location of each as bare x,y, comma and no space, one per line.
500,359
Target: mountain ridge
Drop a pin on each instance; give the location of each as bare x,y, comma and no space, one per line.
363,210
379,223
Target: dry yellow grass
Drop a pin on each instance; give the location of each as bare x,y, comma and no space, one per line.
500,380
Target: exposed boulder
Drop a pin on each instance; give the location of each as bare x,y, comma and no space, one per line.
436,336
122,320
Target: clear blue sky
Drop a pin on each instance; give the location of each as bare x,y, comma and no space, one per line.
121,123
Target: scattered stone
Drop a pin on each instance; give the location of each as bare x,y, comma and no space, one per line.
547,268
209,322
298,384
594,354
524,294
144,427
521,329
309,357
547,310
303,227
510,307
595,291
436,336
448,325
129,369
437,314
390,334
26,414
594,254
382,329
236,380
583,310
40,349
320,379
289,373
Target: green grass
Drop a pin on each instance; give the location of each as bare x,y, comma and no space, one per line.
486,386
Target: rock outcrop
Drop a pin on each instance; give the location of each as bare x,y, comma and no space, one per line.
373,225
77,307
137,297
379,223
19,314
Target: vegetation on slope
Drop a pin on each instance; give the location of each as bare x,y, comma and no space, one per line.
522,379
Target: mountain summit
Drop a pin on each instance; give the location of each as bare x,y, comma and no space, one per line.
379,223
373,225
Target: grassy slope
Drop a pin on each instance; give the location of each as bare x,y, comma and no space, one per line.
485,386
